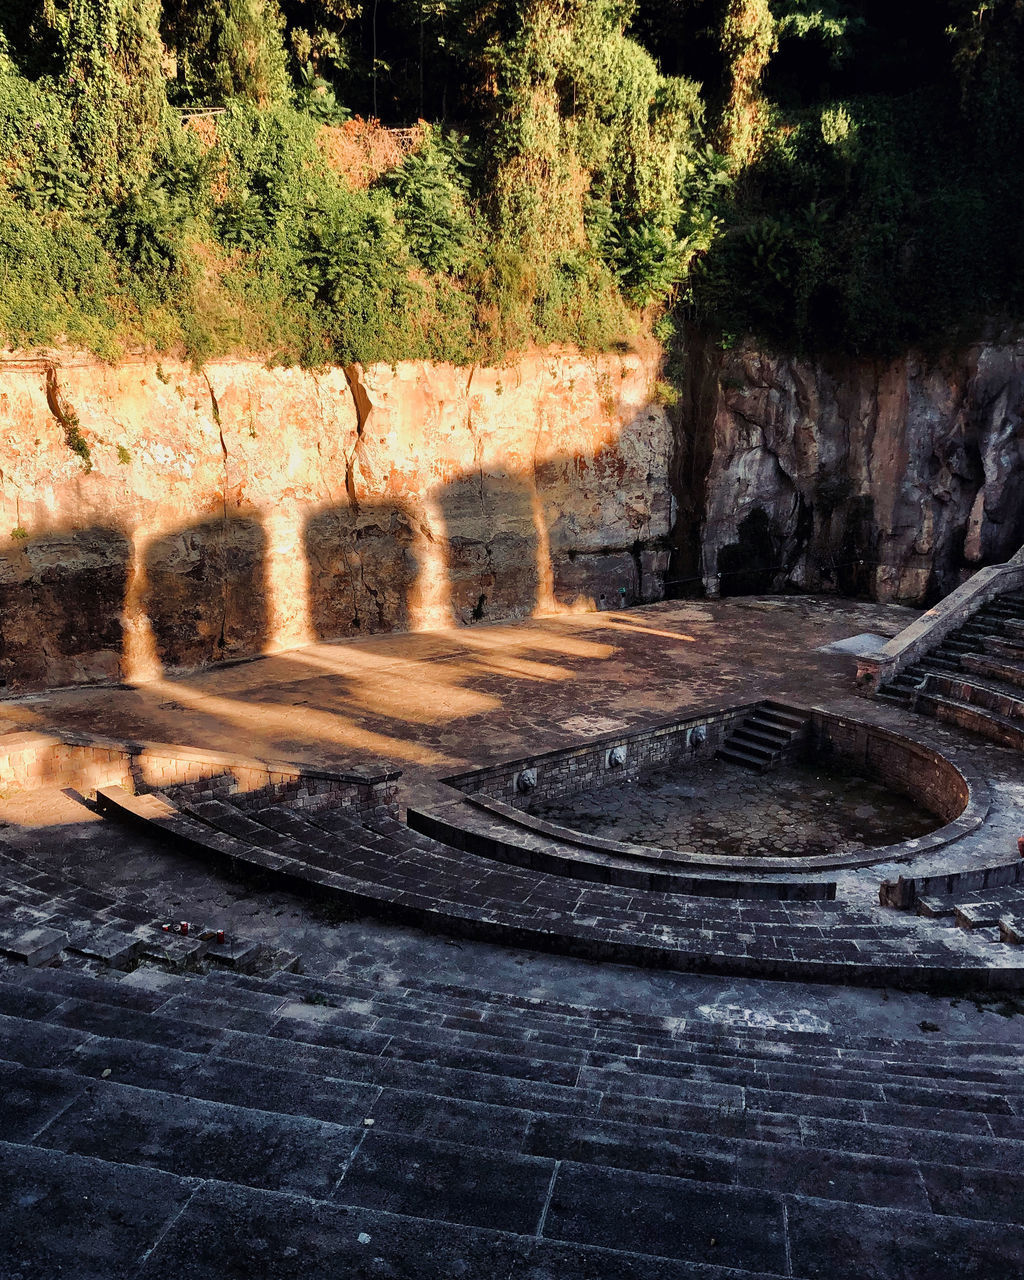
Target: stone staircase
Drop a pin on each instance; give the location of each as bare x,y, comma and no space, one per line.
374,864
997,915
221,1125
975,677
769,734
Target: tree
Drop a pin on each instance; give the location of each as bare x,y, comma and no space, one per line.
228,49
109,72
749,39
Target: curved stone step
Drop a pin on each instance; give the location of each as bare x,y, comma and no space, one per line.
551,913
347,1054
990,694
977,719
993,668
494,829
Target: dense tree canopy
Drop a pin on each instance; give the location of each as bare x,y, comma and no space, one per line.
208,176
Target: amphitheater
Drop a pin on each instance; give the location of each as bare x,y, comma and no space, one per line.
415,1028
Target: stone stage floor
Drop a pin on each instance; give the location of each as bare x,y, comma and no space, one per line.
436,702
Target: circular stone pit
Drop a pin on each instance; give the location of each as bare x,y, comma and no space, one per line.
713,807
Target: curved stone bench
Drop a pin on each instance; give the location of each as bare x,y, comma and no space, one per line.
500,831
401,876
796,866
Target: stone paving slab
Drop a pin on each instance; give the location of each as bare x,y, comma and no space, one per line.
235,1231
66,1215
854,1242
123,1124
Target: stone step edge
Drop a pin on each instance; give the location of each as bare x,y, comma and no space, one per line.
442,823
674,1132
577,938
700,1035
839,1071
867,857
688,1062
613,1261
655,854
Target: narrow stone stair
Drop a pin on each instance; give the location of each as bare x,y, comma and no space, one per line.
770,733
975,677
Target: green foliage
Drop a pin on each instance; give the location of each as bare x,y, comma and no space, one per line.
824,174
864,229
355,265
57,278
317,97
588,147
431,191
648,257
109,83
749,37
831,22
228,49
881,220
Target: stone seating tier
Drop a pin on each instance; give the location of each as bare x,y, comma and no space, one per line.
375,864
215,1125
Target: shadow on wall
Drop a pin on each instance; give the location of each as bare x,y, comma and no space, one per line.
581,564
486,546
61,599
361,567
491,554
206,592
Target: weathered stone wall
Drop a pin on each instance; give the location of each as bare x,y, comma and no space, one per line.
892,480
31,761
240,510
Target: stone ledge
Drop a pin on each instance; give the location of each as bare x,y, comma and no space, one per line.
956,790
539,851
86,762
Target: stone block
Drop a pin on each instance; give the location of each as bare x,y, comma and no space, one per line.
33,947
977,915
933,908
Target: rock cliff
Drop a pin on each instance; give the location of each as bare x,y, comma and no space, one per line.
892,480
159,518
155,517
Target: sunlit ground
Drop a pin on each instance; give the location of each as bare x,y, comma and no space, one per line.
432,702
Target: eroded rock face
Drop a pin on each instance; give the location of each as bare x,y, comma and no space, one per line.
892,480
241,510
157,518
